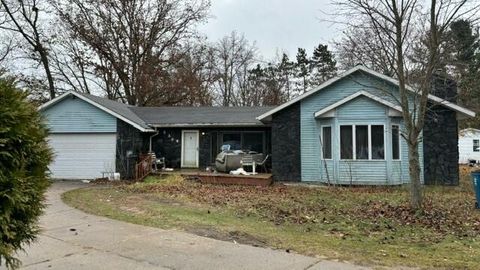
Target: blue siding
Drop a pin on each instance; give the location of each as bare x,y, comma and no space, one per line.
361,110
73,115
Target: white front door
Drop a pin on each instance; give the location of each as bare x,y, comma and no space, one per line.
190,149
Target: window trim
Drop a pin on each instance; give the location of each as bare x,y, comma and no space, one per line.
473,145
331,141
354,146
399,142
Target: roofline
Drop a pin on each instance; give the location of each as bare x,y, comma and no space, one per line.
103,108
209,125
329,82
355,95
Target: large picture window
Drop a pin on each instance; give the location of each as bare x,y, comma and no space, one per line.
362,142
246,141
327,142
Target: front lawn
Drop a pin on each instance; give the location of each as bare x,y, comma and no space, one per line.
372,226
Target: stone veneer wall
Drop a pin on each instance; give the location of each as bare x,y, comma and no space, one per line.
440,138
440,147
129,139
286,163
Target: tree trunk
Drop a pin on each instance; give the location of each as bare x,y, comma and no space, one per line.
46,66
414,170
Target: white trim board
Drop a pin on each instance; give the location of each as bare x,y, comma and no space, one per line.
91,102
327,109
462,110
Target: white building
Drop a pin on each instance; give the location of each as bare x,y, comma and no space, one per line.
469,145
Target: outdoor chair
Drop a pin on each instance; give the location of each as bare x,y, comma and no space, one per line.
263,164
247,160
157,162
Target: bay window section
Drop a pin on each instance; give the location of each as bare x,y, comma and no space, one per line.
362,142
346,142
327,142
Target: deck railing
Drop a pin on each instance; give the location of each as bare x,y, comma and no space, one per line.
144,167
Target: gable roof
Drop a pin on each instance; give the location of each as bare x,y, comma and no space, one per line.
450,105
201,116
354,96
146,119
117,109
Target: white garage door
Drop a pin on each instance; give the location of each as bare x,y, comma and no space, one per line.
82,156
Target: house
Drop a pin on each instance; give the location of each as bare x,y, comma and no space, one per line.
469,145
92,135
346,131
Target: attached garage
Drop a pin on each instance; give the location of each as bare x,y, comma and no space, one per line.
82,156
83,134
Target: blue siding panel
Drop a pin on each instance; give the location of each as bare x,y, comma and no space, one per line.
73,115
361,110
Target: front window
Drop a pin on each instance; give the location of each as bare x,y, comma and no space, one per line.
346,142
395,142
476,145
378,142
327,142
246,141
361,139
233,140
362,142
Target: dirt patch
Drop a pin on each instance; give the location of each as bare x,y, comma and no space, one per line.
133,210
231,236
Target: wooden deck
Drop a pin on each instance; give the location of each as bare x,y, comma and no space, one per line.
261,179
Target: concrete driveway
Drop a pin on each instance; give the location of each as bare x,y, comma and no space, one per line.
72,239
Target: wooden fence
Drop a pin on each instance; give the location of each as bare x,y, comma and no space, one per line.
144,167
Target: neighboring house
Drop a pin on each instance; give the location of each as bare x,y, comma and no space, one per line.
346,131
469,145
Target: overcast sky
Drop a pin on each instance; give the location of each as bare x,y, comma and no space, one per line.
274,25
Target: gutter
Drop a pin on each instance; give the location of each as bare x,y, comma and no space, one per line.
150,140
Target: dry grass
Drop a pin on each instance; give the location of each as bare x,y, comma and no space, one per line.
367,225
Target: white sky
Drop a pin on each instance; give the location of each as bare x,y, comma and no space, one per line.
274,25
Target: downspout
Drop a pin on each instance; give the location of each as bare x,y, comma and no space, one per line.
150,141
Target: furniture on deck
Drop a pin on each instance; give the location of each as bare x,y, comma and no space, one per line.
263,164
247,160
228,161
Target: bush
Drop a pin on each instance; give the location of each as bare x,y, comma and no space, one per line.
24,157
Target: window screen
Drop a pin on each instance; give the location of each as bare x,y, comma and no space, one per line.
327,142
346,142
361,142
395,142
378,147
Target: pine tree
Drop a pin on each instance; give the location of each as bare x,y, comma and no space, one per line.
302,67
287,70
322,65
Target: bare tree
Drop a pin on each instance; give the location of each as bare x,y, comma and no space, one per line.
396,25
22,17
134,39
234,56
